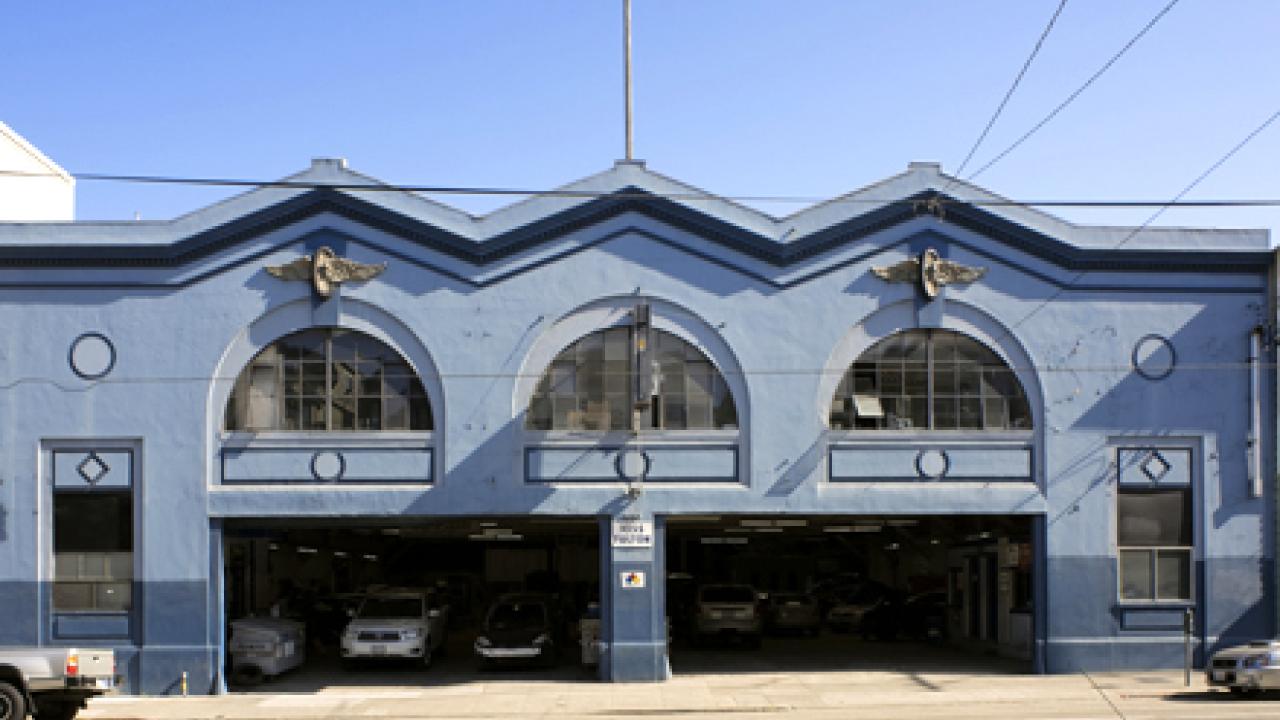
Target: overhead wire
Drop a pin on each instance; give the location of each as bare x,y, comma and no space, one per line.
572,193
1072,97
1026,65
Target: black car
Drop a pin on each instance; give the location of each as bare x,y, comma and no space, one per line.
918,617
520,628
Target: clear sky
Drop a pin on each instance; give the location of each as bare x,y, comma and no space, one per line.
740,97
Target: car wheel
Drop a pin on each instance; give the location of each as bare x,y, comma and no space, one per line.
12,704
246,675
57,709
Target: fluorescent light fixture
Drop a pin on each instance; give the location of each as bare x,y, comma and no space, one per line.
866,528
735,541
370,557
892,546
693,518
737,530
272,546
495,536
838,529
935,541
487,524
755,523
902,523
713,540
793,522
390,531
307,550
768,530
339,553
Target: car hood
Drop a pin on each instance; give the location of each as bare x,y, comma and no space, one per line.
387,624
1240,651
514,638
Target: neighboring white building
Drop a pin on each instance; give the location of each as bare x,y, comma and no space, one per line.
47,193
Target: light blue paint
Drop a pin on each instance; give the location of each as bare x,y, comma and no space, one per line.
480,332
710,462
301,465
872,462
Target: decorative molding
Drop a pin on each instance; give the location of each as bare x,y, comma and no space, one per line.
325,270
626,200
92,356
1153,357
930,272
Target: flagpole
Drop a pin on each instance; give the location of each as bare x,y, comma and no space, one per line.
626,41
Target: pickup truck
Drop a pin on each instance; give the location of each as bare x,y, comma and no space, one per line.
54,683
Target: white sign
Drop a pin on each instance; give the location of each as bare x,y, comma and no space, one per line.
631,579
632,532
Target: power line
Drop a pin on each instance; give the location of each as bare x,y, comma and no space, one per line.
1071,98
1009,94
1134,233
567,193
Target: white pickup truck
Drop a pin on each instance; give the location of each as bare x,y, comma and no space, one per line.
53,683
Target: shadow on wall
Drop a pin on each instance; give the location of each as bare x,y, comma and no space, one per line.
705,272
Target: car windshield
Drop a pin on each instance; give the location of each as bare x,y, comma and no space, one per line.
728,594
388,608
518,616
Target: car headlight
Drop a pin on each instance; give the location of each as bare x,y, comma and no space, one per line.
483,642
1257,661
542,639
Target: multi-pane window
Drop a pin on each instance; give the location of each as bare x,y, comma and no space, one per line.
328,379
1153,538
930,380
92,532
591,386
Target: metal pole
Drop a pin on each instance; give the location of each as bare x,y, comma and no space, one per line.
1186,647
626,40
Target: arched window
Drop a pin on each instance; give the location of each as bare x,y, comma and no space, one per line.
328,379
591,385
930,380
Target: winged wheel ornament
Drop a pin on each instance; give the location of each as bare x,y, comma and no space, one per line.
930,271
326,270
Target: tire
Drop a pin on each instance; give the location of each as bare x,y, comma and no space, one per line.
247,675
13,706
57,709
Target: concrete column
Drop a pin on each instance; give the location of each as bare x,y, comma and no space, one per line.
633,605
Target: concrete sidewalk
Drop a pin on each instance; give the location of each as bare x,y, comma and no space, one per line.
866,695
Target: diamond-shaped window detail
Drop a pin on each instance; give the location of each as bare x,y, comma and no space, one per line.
92,468
1154,466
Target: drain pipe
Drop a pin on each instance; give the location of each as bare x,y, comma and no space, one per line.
1255,412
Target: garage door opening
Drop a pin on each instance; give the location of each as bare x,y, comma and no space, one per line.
327,603
784,593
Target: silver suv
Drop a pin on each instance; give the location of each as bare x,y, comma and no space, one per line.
728,610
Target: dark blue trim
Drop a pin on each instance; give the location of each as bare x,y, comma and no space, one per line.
71,356
946,464
921,477
622,475
1137,367
342,478
616,479
342,466
629,199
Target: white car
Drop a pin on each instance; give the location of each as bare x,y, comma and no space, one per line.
394,625
1246,668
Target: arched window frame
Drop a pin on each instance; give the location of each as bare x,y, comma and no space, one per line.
610,408
919,374
310,378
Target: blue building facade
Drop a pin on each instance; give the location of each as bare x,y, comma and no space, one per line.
1083,414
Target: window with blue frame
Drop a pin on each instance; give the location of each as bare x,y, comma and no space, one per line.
591,386
328,379
930,380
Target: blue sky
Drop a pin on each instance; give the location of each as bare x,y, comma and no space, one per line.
741,97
